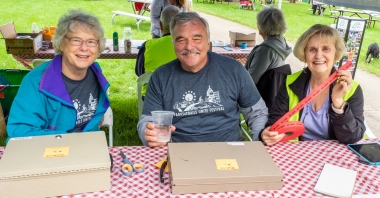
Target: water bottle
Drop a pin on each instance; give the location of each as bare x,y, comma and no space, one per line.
35,28
115,38
127,36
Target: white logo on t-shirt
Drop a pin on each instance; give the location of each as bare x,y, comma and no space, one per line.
191,106
85,112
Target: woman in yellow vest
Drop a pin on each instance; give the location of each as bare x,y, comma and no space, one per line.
336,113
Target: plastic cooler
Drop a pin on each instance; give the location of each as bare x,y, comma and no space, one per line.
10,80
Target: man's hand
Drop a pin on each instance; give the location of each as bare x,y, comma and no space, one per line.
271,137
151,135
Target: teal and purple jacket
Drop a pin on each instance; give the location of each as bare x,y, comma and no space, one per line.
43,106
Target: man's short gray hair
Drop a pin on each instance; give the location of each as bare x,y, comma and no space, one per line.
271,22
72,18
167,14
185,17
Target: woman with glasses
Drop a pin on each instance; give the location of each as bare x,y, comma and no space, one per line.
68,93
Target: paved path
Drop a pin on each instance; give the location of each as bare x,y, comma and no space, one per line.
219,31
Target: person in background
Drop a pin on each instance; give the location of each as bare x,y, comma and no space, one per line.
189,5
248,4
271,53
138,7
204,90
337,112
141,7
155,12
68,93
316,5
156,52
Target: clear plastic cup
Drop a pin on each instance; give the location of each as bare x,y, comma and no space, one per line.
162,121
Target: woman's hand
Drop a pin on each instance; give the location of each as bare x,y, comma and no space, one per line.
151,135
343,84
271,137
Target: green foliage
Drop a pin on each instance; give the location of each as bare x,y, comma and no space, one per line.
120,73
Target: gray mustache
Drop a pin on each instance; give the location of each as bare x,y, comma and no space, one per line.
194,51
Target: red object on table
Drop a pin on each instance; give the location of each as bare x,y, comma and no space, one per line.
300,162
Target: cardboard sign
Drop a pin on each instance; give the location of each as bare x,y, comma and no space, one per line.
226,164
56,152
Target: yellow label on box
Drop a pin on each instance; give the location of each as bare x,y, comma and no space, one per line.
56,152
226,164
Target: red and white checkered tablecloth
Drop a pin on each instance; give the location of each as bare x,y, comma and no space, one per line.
300,162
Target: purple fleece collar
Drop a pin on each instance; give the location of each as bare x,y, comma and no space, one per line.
52,80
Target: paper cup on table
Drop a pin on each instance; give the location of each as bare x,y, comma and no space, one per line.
162,121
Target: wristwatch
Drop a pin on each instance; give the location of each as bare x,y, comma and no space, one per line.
340,110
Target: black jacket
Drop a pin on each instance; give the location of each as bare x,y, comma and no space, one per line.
270,82
346,128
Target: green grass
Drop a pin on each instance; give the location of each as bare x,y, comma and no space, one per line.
120,73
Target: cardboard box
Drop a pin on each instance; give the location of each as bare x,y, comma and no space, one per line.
53,165
15,45
238,37
195,167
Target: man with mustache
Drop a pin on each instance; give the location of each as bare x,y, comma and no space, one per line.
206,91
